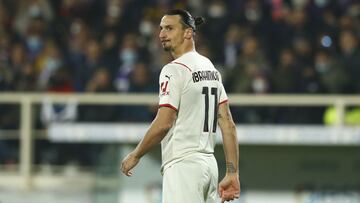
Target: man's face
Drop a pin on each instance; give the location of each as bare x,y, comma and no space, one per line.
171,32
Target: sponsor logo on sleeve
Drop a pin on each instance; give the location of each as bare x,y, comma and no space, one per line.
164,88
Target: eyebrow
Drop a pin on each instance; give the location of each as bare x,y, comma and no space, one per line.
165,26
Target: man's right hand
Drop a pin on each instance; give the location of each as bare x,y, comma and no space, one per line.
229,187
128,163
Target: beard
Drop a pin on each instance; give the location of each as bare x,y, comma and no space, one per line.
166,47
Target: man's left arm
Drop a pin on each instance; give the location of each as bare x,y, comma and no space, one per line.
158,129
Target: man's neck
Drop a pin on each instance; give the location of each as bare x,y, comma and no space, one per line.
182,50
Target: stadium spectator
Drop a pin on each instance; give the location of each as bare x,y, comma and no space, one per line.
286,76
99,83
47,63
128,55
332,76
141,81
350,58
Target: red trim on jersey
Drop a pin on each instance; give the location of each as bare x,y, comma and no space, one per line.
223,101
168,105
182,65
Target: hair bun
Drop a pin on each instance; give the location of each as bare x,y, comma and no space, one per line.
199,20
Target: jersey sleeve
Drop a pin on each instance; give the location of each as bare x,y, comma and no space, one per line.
223,95
171,83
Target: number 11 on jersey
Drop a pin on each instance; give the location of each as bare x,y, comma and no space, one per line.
206,92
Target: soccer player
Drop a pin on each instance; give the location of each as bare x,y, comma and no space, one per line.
192,103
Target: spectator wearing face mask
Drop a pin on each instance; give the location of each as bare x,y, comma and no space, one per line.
128,54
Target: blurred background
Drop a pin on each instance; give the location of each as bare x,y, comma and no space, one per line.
79,85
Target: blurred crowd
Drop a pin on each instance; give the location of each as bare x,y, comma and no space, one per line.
270,46
260,46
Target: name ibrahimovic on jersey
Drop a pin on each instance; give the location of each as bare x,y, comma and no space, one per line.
205,75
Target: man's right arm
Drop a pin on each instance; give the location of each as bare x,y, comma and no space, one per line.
229,187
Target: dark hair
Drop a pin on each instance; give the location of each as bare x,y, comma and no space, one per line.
186,18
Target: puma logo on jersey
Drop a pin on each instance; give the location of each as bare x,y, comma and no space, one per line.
168,76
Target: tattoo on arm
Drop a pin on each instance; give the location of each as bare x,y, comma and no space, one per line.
228,115
230,167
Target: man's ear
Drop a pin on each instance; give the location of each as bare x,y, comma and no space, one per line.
188,33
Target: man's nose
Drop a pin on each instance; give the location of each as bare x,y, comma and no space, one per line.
162,34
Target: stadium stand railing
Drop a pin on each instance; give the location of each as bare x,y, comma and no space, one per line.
28,100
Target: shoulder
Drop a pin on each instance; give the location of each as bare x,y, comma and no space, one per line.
189,61
182,65
177,66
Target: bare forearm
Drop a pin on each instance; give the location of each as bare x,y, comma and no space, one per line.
153,136
157,131
231,149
